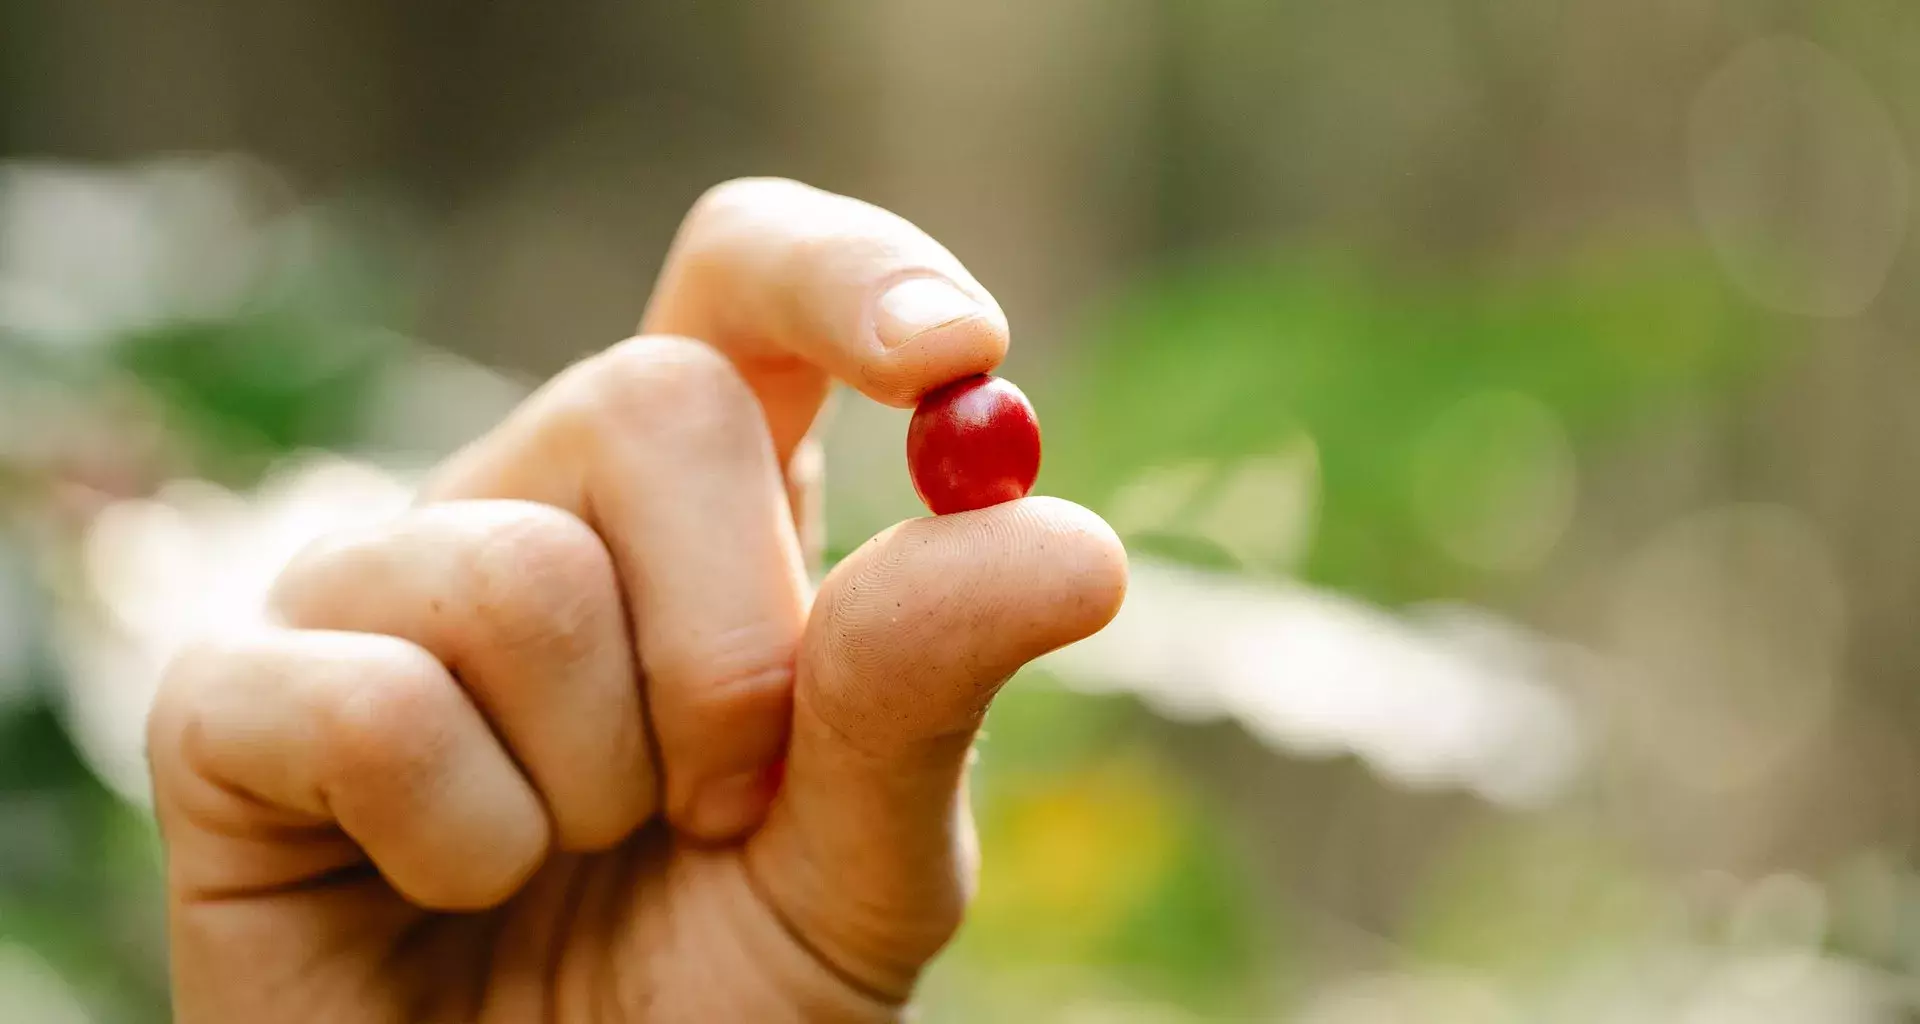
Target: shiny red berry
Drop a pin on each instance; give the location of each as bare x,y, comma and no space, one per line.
973,443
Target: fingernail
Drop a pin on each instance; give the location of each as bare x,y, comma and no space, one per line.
730,805
918,305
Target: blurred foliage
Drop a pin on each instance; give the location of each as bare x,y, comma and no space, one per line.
294,363
1501,899
1236,359
243,393
79,869
291,366
1100,853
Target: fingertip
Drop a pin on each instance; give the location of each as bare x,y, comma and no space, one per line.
1085,559
909,361
958,603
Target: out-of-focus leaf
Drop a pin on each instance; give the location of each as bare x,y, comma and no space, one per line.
1236,360
1106,862
1532,899
254,389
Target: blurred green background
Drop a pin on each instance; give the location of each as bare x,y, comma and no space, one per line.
1510,407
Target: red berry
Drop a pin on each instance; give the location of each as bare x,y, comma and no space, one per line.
973,443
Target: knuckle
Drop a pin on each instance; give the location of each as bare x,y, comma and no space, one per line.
309,576
823,234
208,700
742,194
540,577
660,385
176,716
391,728
314,556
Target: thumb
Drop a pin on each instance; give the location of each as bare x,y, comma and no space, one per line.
869,851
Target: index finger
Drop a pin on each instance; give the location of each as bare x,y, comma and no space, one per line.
799,286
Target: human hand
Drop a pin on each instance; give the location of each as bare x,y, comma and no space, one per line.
573,739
